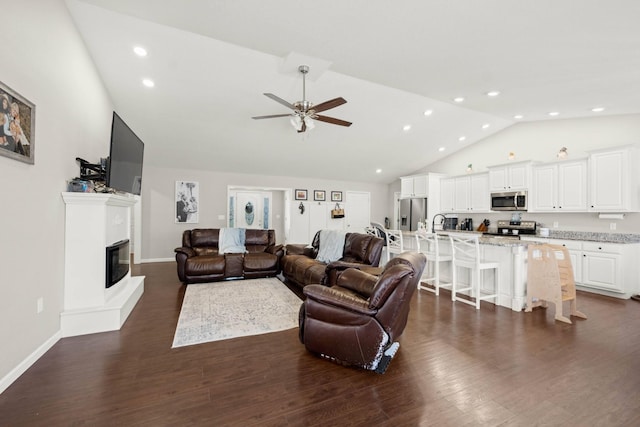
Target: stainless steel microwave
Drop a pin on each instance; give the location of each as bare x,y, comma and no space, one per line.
509,201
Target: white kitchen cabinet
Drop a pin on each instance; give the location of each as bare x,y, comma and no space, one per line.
480,197
514,176
601,266
606,268
559,187
414,186
447,192
613,179
461,191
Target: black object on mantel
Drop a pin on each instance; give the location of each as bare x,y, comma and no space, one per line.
92,171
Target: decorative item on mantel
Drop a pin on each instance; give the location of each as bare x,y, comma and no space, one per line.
562,153
469,168
512,155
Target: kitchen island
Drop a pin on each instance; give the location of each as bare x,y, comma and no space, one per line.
603,263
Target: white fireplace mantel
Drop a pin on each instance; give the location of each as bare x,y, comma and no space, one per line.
94,221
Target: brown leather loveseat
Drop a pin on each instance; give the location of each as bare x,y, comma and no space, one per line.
358,319
299,265
199,260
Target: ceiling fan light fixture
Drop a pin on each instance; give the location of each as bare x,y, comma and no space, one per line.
308,121
296,122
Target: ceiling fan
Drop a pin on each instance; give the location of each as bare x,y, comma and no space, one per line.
304,112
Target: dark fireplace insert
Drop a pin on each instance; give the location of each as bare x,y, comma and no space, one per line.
117,262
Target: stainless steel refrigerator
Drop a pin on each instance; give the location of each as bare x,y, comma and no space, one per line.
412,211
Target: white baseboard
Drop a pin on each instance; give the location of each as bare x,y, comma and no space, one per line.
30,360
149,260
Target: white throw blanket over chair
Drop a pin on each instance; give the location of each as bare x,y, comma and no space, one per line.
466,254
395,244
427,243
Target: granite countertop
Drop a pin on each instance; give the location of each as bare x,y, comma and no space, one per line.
620,238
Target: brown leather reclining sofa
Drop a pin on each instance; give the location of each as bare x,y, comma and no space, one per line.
299,265
199,261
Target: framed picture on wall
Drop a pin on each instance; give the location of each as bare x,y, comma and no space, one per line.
320,195
336,196
18,123
301,194
187,200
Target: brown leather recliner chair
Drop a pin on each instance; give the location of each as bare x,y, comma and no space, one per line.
357,320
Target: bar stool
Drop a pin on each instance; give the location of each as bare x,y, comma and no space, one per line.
427,243
372,231
395,244
466,254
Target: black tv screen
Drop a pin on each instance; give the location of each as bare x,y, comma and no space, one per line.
124,170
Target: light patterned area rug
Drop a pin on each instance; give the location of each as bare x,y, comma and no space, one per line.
238,308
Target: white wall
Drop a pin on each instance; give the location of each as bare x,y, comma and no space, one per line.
541,141
160,233
44,60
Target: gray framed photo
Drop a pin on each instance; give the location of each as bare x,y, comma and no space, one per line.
17,125
336,196
187,201
319,195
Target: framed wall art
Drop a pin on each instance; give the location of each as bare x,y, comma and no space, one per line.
187,201
17,125
336,196
320,195
301,194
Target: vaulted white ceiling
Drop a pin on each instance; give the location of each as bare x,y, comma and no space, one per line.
211,62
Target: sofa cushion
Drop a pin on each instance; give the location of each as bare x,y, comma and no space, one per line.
356,246
260,261
204,265
207,237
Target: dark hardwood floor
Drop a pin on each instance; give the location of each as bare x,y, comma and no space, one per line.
456,366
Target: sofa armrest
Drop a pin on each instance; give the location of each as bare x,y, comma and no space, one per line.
300,249
335,298
274,249
186,251
335,269
358,281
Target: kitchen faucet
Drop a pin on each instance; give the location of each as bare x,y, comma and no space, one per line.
433,221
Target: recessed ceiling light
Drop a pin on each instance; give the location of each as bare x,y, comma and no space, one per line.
597,109
458,99
486,126
493,93
441,149
428,112
518,116
462,138
406,128
378,170
148,82
140,51
554,113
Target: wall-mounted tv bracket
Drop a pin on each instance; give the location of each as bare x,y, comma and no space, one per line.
92,171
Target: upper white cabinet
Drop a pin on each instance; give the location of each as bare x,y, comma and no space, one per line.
447,194
465,193
414,186
559,187
514,176
613,180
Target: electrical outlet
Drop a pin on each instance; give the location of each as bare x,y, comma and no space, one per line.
40,305
555,224
612,226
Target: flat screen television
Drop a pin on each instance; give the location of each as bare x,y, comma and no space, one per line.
124,168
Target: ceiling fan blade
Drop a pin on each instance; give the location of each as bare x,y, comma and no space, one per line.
280,100
327,105
273,116
332,120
